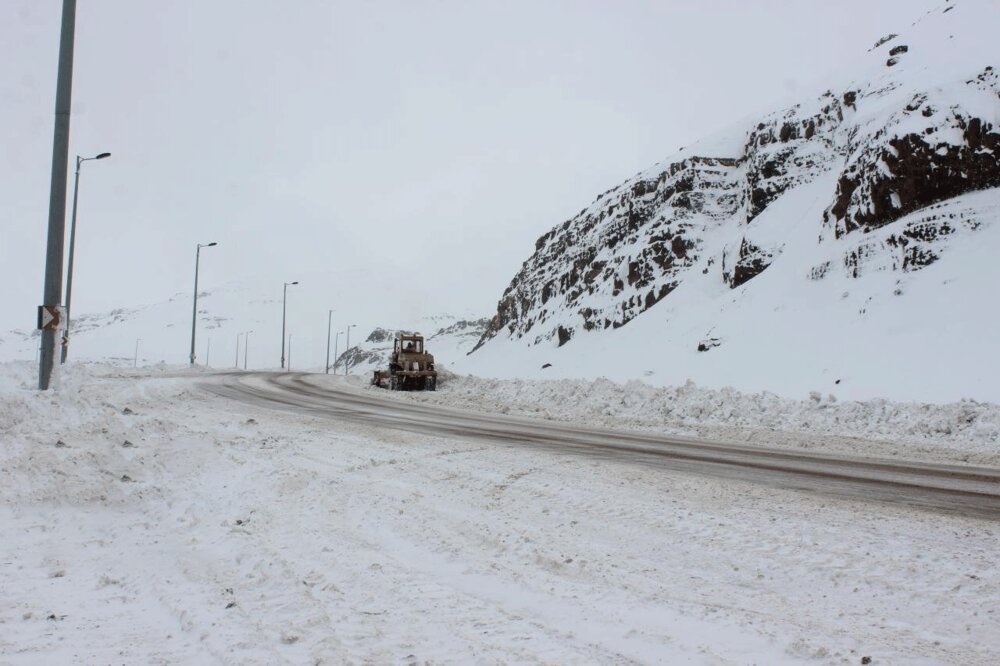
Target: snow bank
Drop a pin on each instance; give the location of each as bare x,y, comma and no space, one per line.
963,431
41,433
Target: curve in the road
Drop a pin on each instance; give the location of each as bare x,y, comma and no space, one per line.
967,490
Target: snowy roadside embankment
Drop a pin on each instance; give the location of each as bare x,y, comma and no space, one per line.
146,520
86,406
966,431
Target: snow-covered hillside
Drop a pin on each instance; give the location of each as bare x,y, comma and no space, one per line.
845,244
161,331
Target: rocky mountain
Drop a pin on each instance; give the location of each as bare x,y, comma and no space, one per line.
913,125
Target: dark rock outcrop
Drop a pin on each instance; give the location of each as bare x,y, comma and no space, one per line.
629,246
379,335
749,262
887,38
915,245
890,175
708,343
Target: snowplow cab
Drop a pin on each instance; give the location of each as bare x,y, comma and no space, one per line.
411,368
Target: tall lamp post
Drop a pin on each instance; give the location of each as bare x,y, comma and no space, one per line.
329,320
72,248
194,316
347,349
336,346
52,292
284,303
246,349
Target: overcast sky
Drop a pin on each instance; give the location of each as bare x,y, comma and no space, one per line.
437,139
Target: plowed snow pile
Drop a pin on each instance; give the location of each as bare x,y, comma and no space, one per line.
966,431
145,520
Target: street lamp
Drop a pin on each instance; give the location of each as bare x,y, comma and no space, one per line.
336,346
284,303
329,319
194,316
246,349
236,364
52,290
347,361
72,247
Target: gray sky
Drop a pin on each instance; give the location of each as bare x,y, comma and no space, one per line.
305,135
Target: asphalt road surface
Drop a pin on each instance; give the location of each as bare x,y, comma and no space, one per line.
965,490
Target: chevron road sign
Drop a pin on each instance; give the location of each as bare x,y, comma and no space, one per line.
50,317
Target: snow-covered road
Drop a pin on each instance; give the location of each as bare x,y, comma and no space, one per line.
967,490
146,520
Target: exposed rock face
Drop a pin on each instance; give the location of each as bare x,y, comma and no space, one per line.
472,328
749,262
887,38
918,243
896,142
357,356
791,148
380,334
626,252
629,245
893,170
709,343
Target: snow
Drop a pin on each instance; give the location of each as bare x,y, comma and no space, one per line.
230,534
145,520
964,432
726,143
941,45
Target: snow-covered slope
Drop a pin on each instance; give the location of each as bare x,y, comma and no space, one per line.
227,312
842,244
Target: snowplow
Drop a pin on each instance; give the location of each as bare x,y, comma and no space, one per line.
411,368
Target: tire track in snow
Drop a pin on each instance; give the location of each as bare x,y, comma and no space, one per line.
965,490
